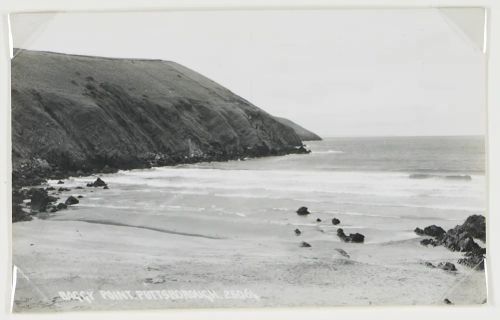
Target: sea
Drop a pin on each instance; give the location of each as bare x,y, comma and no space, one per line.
382,187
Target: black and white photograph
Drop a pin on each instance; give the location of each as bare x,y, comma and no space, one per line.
248,158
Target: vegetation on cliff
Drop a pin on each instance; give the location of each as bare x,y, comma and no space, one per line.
84,114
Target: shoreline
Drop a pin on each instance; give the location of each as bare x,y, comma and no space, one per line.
36,172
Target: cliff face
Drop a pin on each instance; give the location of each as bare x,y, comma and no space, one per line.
303,133
79,113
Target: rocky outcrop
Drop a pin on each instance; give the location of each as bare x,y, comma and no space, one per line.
77,115
303,133
461,238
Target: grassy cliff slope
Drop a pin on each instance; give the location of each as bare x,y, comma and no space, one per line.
74,112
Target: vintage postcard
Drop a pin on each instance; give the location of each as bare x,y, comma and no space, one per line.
263,158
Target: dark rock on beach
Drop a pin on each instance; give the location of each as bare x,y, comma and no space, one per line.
341,234
304,244
63,189
60,182
433,231
61,206
335,221
71,200
353,237
97,183
357,237
298,232
318,220
303,211
447,301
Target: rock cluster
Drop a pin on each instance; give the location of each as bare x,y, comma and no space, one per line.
39,201
460,238
353,237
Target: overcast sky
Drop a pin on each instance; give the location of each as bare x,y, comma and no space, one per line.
336,72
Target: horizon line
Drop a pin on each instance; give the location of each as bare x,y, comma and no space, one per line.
403,136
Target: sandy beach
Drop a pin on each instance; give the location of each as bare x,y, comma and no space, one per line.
83,249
